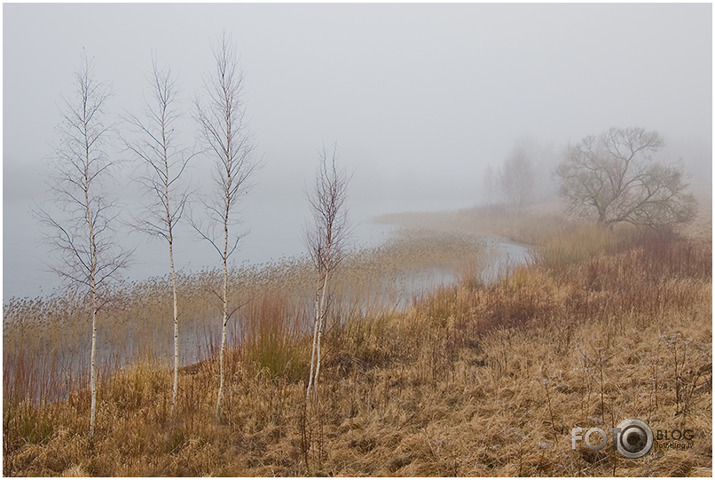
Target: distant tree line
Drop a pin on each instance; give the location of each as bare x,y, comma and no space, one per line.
614,177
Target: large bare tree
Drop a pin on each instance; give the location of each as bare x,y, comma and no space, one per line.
326,239
89,259
221,118
154,145
615,177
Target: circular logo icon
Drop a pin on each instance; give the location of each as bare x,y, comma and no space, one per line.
635,438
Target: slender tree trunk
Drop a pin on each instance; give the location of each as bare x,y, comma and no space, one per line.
93,347
315,343
317,335
175,390
93,364
224,308
222,368
320,328
170,238
93,284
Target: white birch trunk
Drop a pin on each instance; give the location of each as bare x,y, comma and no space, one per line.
222,371
175,390
225,304
93,365
317,336
315,342
93,285
321,321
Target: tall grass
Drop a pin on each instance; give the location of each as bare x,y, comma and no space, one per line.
470,379
45,339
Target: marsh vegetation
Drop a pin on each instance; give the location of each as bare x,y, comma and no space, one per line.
464,378
45,351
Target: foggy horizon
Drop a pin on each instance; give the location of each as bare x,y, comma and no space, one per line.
419,98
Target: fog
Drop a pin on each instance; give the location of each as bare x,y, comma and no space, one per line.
419,98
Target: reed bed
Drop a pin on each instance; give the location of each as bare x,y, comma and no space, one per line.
468,380
46,340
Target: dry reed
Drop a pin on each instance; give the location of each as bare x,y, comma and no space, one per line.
469,380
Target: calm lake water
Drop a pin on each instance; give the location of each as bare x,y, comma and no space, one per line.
274,231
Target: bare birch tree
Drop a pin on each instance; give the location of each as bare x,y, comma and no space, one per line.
224,131
326,239
89,260
154,145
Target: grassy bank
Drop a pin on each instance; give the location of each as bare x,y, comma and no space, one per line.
473,380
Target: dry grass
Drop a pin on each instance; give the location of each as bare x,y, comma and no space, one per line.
471,380
46,339
539,223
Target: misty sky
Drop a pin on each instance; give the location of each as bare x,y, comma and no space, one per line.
420,98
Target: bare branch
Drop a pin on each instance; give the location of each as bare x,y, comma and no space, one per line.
615,178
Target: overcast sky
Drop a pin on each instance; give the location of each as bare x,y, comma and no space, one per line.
420,98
